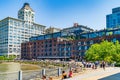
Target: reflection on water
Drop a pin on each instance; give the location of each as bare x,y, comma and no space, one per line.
9,67
9,71
3,67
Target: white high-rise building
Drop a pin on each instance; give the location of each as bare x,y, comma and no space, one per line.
14,31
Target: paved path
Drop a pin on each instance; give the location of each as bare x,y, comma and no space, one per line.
99,74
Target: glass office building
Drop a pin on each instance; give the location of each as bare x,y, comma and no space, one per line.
113,20
13,31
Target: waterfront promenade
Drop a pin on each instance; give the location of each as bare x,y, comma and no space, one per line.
109,73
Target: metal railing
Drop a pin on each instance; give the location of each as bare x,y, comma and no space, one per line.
33,74
28,75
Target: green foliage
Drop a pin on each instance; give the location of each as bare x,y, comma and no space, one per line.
116,55
71,37
91,54
117,65
11,57
105,51
1,57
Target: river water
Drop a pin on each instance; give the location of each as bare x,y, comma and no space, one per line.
10,71
9,67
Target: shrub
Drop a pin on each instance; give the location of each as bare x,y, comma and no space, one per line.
117,65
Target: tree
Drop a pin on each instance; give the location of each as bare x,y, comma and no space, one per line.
116,55
92,53
1,57
105,51
11,57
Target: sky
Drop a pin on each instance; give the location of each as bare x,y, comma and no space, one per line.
63,13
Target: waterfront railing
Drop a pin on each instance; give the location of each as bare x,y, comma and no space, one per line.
32,74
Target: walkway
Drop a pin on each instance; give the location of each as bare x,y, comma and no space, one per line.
99,74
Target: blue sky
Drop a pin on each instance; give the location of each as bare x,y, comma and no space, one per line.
63,13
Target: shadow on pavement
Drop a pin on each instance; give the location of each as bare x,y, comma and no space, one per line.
112,77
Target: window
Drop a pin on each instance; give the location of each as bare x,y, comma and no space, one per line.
91,42
114,40
84,36
84,43
79,43
109,33
101,34
93,35
79,48
85,47
117,32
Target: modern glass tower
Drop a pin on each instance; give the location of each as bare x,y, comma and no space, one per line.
13,31
113,20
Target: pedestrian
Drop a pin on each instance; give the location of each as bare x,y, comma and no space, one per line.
84,63
70,74
93,66
96,64
103,65
64,75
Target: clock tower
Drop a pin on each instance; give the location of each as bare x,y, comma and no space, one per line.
26,13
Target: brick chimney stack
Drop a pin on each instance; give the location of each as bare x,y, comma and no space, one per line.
75,24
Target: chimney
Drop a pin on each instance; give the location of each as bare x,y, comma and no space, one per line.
75,24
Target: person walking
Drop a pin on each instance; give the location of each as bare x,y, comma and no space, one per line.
103,65
96,64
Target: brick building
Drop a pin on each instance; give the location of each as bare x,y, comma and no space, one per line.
59,48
